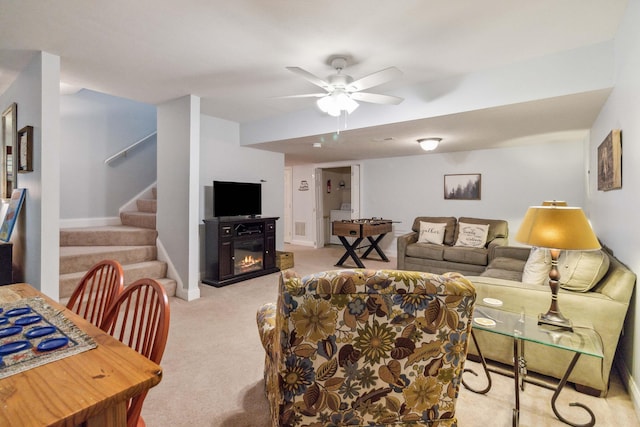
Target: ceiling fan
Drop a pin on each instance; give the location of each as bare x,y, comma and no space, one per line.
342,91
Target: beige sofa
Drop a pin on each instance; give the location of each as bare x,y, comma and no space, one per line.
442,258
604,306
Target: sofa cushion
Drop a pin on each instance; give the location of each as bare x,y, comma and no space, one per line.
431,232
497,227
582,270
505,263
449,231
536,269
466,255
426,250
473,235
499,273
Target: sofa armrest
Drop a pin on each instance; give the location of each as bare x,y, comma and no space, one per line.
618,283
402,242
498,242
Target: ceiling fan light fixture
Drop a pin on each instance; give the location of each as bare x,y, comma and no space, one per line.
337,102
429,144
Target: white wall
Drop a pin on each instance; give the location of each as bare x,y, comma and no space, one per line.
178,171
402,188
512,179
36,237
93,127
614,214
222,158
303,202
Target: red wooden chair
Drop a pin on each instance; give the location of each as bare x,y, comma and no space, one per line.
96,290
139,318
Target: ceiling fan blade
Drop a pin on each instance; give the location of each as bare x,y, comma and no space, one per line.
376,98
374,79
309,77
306,95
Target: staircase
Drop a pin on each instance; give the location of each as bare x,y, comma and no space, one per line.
132,244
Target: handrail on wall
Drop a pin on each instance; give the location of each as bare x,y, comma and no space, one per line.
124,151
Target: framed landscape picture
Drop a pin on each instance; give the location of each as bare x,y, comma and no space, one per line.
462,186
610,162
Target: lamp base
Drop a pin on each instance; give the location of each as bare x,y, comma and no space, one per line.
556,320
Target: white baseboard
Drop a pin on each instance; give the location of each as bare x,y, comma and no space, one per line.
630,384
89,222
172,273
301,243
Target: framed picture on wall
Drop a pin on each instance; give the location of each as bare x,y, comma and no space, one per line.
610,162
25,149
462,186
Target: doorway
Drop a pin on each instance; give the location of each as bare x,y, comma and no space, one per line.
337,198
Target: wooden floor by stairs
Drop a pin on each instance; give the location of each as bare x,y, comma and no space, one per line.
133,244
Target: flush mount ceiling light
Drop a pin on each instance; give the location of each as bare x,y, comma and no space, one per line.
429,144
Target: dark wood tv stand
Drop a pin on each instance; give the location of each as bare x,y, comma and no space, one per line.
239,248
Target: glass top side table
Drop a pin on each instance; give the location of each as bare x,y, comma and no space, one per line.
523,328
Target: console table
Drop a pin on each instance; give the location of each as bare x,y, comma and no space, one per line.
523,328
239,248
361,228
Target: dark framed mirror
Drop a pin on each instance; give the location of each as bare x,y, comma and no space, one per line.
9,149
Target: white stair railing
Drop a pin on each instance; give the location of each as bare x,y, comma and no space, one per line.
123,152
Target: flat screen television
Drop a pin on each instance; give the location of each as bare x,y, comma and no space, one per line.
237,198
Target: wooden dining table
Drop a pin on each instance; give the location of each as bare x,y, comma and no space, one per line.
93,386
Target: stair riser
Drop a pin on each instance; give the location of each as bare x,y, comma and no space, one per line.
138,219
84,262
147,205
107,237
68,285
156,271
133,272
169,286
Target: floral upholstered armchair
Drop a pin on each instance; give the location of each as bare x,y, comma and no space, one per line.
366,348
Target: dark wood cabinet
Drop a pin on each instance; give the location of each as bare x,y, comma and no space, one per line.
239,248
6,263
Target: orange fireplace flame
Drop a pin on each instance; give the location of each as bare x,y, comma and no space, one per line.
249,261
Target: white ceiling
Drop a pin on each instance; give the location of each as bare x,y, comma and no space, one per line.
233,55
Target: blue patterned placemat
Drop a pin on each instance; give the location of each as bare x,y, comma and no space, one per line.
21,347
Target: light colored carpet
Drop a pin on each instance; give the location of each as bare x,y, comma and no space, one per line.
213,366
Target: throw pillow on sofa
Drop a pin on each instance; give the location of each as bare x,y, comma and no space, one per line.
472,235
536,269
431,232
582,270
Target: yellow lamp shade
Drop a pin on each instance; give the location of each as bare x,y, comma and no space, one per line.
557,227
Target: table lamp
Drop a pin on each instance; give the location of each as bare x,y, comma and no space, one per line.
556,227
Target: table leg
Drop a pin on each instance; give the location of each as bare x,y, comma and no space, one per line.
374,245
484,367
516,382
522,365
350,252
559,388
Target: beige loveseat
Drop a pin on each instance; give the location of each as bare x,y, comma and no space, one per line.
604,307
445,257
